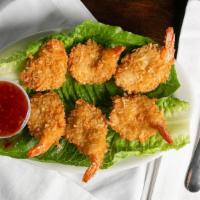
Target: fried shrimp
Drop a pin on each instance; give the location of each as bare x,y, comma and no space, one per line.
91,63
86,127
46,70
138,118
146,67
47,121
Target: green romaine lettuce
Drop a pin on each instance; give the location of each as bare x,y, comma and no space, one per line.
176,113
175,110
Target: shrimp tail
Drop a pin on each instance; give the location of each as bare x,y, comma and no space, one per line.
91,170
163,132
37,150
118,50
167,52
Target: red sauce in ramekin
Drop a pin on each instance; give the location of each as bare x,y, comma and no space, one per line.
13,108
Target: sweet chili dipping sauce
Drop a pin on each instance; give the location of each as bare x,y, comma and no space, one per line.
13,108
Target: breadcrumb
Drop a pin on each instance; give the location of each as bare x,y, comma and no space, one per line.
90,63
146,67
136,117
46,71
86,127
46,122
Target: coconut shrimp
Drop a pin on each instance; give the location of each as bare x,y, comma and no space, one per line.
86,127
146,67
138,118
47,121
91,63
46,70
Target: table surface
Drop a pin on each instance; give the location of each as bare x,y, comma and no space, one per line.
145,17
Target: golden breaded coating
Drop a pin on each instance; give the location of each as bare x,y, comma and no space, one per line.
146,67
86,127
91,63
138,118
47,121
46,71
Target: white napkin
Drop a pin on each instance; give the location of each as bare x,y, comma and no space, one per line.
171,174
22,181
20,18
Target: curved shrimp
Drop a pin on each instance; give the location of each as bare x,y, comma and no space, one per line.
138,118
86,127
46,70
91,63
146,67
46,122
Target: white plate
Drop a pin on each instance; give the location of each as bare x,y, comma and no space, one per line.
184,92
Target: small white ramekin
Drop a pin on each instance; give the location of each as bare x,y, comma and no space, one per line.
28,111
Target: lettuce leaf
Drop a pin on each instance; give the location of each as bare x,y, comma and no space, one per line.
97,94
176,114
176,111
106,35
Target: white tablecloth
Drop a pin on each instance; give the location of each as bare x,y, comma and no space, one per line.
171,174
22,181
